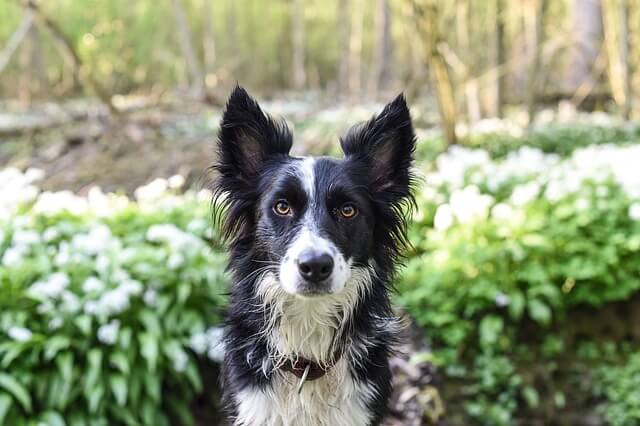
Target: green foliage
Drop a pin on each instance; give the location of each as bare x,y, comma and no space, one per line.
105,304
620,385
506,250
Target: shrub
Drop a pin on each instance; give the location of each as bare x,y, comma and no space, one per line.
620,385
105,303
505,249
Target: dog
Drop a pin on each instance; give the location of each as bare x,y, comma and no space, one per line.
313,244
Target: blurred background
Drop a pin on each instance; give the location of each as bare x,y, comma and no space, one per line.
522,287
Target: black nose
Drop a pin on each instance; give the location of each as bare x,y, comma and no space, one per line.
314,266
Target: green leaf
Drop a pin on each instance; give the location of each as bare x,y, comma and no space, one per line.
124,415
55,345
11,354
52,418
95,396
16,389
119,388
539,311
5,406
83,322
65,366
149,350
531,396
490,329
119,360
151,322
193,376
95,368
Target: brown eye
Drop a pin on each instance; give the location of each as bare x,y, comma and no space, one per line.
282,208
348,211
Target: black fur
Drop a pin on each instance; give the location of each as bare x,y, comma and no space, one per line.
254,169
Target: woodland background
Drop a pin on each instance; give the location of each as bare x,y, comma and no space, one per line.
523,284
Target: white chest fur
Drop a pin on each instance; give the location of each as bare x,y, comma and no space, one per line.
307,328
332,400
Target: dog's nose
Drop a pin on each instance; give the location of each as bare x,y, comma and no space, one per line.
314,266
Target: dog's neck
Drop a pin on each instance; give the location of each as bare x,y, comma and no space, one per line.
308,327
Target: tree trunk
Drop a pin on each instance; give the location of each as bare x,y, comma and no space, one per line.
536,30
381,69
355,49
426,13
471,89
625,9
344,28
587,37
499,58
299,73
185,39
208,43
616,36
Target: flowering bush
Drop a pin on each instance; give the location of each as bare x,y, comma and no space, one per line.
506,250
105,303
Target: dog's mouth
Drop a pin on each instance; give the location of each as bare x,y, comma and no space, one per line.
313,290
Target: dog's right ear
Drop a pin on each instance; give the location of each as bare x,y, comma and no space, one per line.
247,138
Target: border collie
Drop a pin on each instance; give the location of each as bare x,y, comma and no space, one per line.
313,243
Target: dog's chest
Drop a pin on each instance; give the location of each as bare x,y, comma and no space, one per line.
335,399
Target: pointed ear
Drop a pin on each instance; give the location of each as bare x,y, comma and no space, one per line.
247,138
386,143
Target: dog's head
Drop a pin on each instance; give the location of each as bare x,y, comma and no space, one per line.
313,220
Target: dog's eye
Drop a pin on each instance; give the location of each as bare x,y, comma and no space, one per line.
348,211
282,208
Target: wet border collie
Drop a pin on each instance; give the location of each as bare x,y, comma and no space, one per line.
313,243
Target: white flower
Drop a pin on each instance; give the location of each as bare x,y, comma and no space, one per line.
25,238
634,211
215,344
50,234
180,361
175,260
55,323
502,212
92,284
70,302
469,203
52,203
52,287
102,263
108,333
96,241
13,256
150,297
20,334
176,181
524,194
132,287
443,218
198,342
582,204
502,300
113,301
153,190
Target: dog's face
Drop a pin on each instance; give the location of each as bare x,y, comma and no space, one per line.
310,220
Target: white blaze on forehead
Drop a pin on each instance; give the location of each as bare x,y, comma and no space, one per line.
306,175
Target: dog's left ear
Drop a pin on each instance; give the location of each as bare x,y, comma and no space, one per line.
386,143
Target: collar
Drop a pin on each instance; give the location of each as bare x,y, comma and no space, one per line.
299,365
